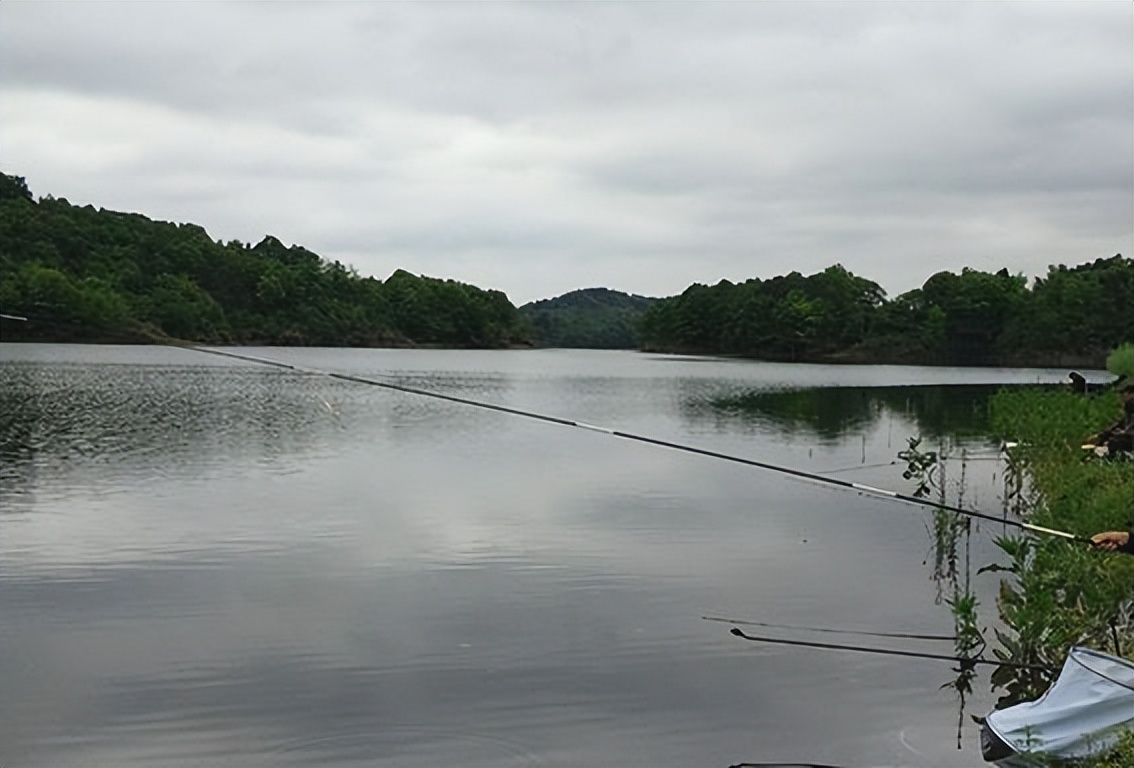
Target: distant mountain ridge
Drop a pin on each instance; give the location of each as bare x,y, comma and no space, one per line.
596,298
592,318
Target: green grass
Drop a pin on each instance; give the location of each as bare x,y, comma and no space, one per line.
1120,362
1060,593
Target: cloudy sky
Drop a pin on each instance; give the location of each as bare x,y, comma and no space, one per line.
537,148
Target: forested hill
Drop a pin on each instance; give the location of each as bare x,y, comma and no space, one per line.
86,274
1073,316
594,318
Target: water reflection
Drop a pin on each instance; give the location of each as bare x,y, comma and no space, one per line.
829,414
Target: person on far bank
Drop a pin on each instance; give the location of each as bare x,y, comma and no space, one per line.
1114,541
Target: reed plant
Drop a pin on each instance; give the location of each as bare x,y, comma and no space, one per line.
952,537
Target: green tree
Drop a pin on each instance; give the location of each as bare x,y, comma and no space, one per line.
976,306
118,273
180,308
14,188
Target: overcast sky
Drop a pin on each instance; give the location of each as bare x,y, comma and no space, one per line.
538,148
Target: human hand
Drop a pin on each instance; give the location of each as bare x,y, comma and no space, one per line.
1110,540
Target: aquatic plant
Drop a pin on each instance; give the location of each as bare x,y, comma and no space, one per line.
954,584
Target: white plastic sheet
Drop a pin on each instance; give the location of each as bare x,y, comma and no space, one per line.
1081,715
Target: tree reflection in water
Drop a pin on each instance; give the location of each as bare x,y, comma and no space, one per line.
829,414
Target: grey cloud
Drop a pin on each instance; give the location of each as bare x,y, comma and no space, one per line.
547,147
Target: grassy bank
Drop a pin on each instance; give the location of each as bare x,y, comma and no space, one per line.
1058,593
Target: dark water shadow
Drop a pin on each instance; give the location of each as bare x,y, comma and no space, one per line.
829,414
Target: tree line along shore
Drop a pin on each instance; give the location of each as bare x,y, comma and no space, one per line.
93,275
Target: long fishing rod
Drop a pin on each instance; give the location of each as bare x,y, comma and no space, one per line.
900,635
889,652
798,473
783,765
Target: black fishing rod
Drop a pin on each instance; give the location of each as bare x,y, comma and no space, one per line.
890,652
783,765
788,765
798,473
900,635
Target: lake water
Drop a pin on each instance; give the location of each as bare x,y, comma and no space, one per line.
211,562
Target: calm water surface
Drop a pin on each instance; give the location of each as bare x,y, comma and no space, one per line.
209,562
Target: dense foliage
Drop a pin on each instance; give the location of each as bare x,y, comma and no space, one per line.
789,317
592,318
1070,317
87,274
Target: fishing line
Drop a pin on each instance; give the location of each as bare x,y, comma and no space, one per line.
798,473
783,765
890,652
902,635
857,467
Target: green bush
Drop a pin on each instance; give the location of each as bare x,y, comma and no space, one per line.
1120,362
